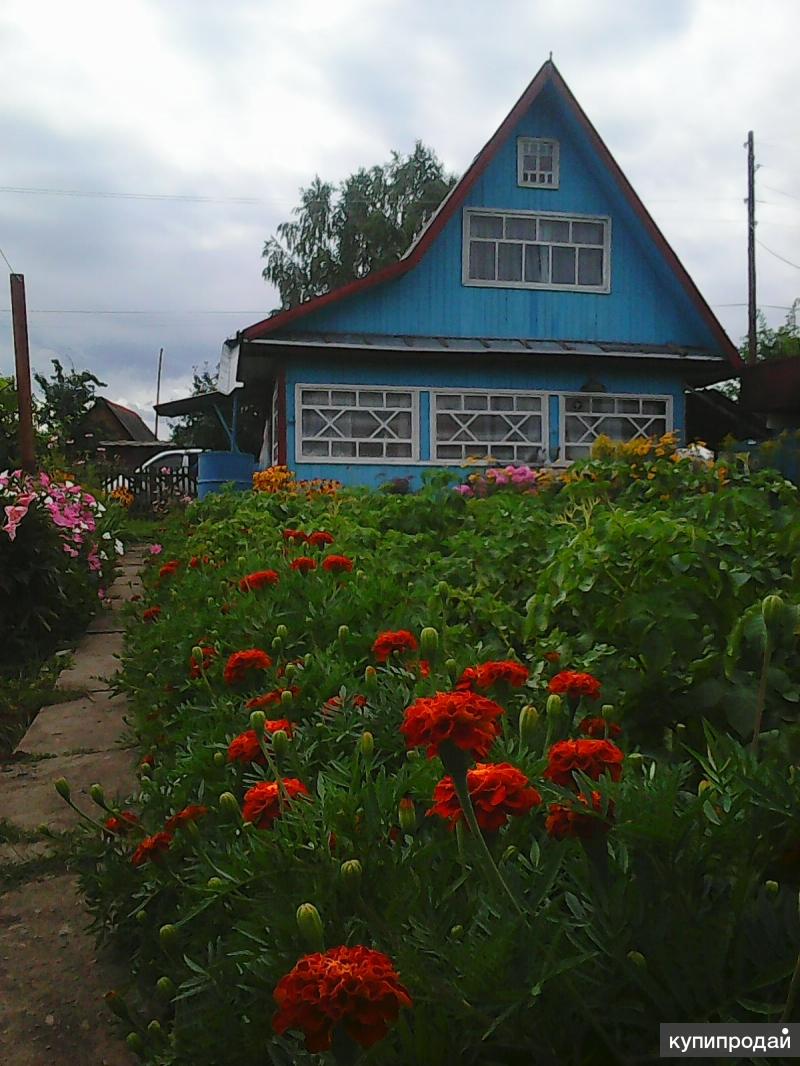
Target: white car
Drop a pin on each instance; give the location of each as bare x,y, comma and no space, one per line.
172,459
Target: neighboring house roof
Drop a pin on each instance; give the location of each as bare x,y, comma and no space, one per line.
547,75
772,386
133,426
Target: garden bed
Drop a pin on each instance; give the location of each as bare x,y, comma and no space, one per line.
317,678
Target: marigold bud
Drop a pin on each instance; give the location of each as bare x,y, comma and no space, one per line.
215,884
219,758
135,1043
510,853
528,721
197,655
289,670
443,589
451,666
635,758
704,785
607,711
117,1005
638,959
61,785
165,987
407,815
276,643
350,873
429,642
457,932
554,706
307,658
281,631
97,794
228,804
155,1030
344,633
141,916
367,745
150,676
257,719
309,923
775,613
168,935
280,743
370,678
286,698
772,888
413,755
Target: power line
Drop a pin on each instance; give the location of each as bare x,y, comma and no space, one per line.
133,195
787,261
175,311
6,261
780,191
771,307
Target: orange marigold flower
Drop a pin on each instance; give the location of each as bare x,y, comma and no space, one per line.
197,669
355,987
192,813
151,614
497,790
264,802
303,563
258,703
152,849
591,757
122,823
463,718
295,536
241,663
599,728
258,580
168,569
337,564
320,538
487,675
552,656
567,820
574,684
398,641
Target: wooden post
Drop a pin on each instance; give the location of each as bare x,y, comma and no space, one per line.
752,310
158,386
22,363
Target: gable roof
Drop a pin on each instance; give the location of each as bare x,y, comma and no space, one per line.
132,424
548,74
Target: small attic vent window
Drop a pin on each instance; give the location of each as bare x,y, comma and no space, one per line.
537,163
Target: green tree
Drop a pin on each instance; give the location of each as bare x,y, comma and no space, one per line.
9,422
66,397
341,232
203,429
780,343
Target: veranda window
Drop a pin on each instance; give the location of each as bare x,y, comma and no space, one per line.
355,424
504,426
587,416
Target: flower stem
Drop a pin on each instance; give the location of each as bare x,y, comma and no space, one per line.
791,997
761,697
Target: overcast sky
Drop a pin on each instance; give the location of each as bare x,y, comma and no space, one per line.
193,105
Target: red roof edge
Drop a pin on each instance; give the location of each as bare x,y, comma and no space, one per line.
547,74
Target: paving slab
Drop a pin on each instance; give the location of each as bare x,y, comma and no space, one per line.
92,723
53,980
125,589
107,621
96,661
29,798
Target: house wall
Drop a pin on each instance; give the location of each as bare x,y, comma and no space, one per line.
558,375
646,304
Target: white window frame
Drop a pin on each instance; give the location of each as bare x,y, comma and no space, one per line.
543,413
642,433
523,148
273,443
356,460
548,216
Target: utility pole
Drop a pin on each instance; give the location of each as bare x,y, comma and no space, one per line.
752,340
22,363
158,385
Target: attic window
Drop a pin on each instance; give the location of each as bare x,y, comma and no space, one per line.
537,163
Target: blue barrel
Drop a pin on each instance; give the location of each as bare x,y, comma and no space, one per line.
216,469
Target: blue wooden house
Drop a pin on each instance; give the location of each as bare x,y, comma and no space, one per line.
540,307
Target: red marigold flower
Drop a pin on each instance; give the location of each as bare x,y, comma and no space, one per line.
148,760
169,568
355,987
257,703
192,813
399,641
198,560
258,580
492,673
599,728
566,820
424,668
574,684
246,749
122,823
303,563
152,848
151,614
497,790
552,657
264,802
465,719
337,564
197,669
591,757
295,536
241,663
320,538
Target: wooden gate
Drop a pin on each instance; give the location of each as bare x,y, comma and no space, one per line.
155,491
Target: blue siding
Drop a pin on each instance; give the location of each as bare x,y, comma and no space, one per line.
557,374
646,303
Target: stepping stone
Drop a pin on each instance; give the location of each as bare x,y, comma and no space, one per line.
107,621
125,589
96,661
90,724
29,798
23,851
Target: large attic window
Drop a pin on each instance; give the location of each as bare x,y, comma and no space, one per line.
537,162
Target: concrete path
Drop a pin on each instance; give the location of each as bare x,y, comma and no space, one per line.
52,979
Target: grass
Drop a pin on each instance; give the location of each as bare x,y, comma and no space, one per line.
24,692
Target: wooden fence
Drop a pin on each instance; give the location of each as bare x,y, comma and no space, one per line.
154,490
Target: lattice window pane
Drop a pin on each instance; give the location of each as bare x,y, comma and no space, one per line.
537,161
622,418
352,423
506,427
